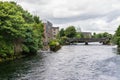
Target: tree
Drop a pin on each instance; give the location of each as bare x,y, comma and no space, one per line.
62,33
79,35
33,39
12,24
102,35
19,30
116,37
105,34
70,32
94,35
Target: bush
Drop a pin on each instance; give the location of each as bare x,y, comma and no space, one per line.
6,49
63,40
54,45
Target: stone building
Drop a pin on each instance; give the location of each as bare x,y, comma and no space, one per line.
55,31
86,34
50,32
47,32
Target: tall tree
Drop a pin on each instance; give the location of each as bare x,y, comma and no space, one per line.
12,24
62,32
19,30
117,37
70,32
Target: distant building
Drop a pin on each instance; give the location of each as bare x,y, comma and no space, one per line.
47,32
55,31
86,34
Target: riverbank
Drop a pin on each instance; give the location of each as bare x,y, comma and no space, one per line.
51,48
16,57
11,58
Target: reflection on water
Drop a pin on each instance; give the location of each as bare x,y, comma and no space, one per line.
73,62
116,50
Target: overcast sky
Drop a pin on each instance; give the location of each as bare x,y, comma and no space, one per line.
90,15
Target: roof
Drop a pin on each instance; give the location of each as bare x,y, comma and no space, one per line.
55,27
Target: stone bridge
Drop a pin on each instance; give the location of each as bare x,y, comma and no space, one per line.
86,40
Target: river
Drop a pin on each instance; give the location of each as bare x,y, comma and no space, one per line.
72,62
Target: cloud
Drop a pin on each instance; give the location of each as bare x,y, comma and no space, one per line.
91,15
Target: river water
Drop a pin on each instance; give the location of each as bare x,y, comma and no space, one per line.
73,62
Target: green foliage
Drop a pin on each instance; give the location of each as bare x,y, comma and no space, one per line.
54,42
18,27
54,45
11,21
78,35
102,35
63,40
105,34
5,47
116,37
117,40
33,39
62,32
118,31
70,32
99,35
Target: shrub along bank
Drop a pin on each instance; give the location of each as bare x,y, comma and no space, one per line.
54,45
